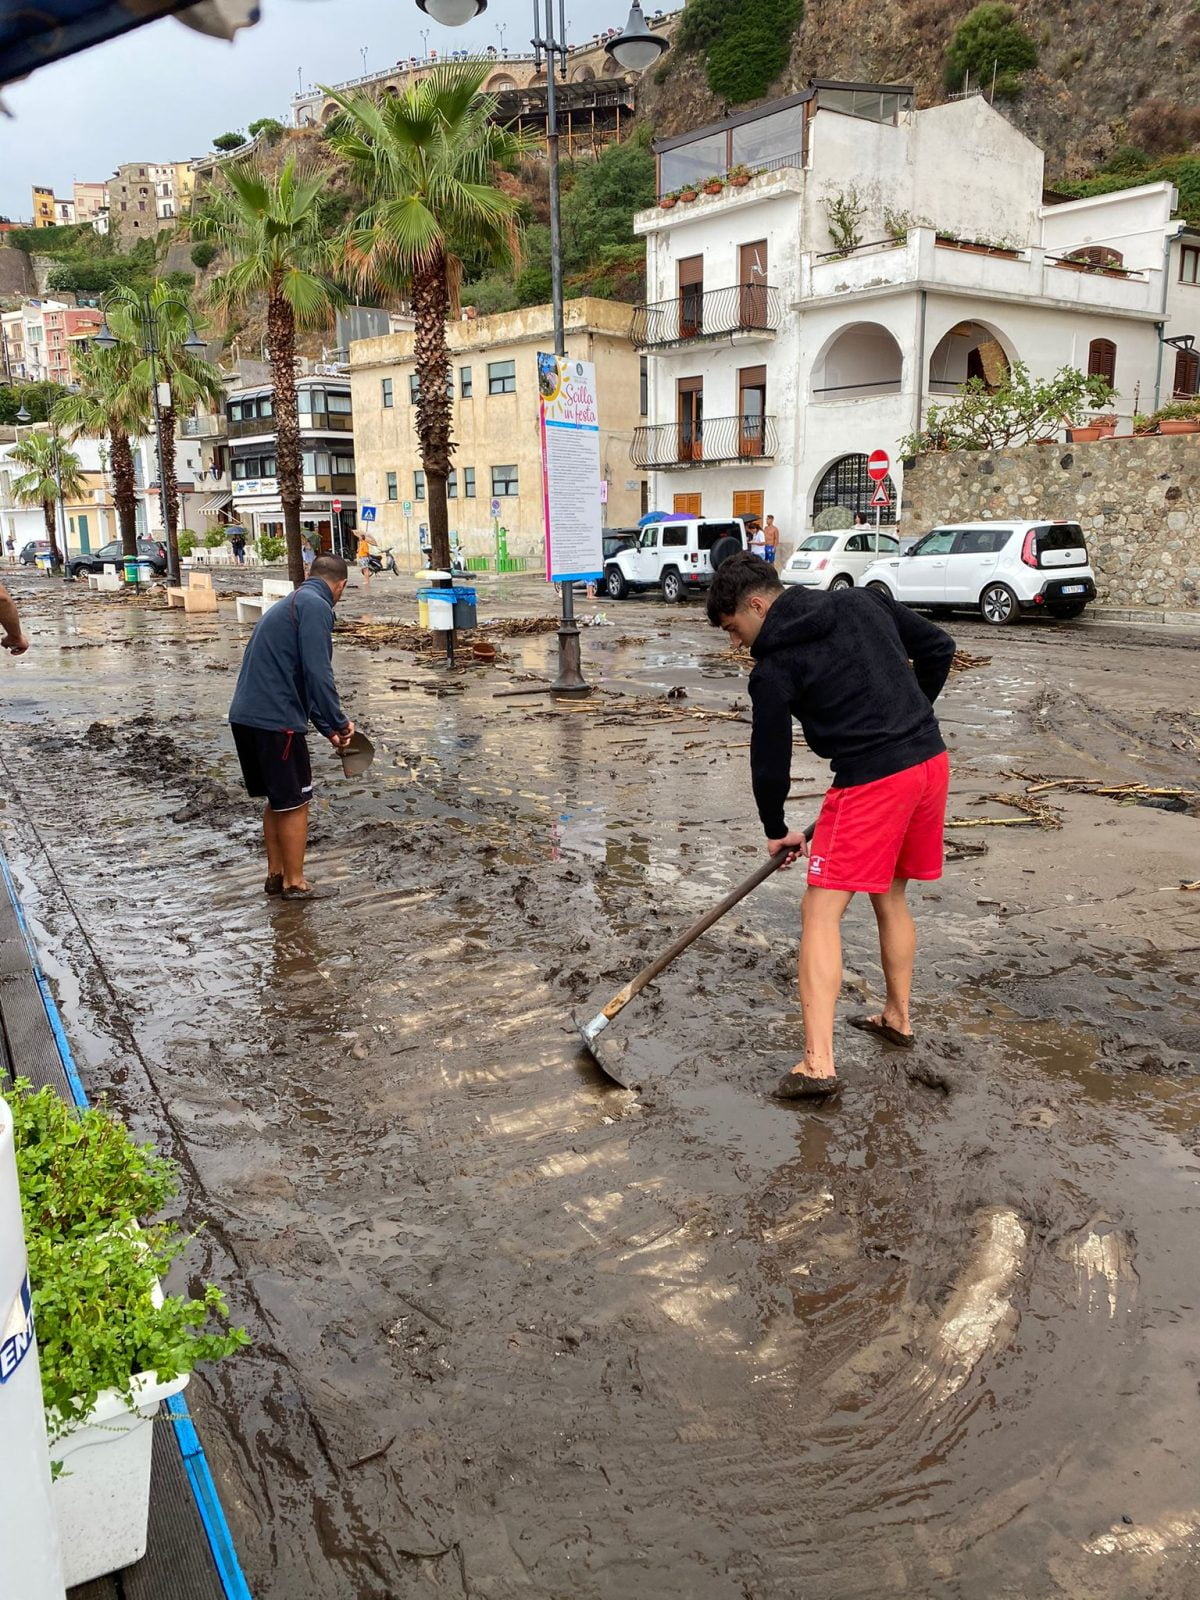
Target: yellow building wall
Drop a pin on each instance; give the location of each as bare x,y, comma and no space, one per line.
43,208
494,430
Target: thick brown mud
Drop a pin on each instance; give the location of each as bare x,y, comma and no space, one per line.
518,1332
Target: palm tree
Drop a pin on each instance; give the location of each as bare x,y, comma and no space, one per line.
51,468
426,161
110,403
190,378
270,229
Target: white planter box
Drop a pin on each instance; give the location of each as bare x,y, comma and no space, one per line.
102,1496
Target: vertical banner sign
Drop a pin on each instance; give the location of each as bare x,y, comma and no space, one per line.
570,468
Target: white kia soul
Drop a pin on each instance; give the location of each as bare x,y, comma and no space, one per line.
998,568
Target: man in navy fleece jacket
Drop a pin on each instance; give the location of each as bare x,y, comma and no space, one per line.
287,680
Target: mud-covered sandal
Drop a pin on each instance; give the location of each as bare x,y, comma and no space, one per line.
883,1030
274,883
803,1086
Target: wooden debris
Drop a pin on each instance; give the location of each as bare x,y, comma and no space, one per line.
1191,887
964,662
1034,815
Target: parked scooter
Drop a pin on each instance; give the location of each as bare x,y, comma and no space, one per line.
382,562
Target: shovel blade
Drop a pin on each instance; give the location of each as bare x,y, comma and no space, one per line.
357,755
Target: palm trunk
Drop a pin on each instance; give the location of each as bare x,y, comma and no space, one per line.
50,517
168,489
124,491
281,347
431,306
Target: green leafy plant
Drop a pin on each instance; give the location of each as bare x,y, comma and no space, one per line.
844,212
990,43
229,141
214,537
1178,411
267,126
1143,423
203,254
745,47
187,541
270,548
87,1192
896,225
1016,411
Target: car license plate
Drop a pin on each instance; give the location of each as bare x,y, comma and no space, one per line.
803,566
1072,588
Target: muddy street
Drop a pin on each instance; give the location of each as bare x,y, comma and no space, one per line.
519,1332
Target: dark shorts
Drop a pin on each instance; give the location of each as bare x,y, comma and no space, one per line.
274,765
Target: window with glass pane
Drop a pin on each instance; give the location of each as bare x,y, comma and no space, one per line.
468,483
338,404
418,486
393,487
343,466
385,385
1189,263
464,382
322,461
266,406
452,485
767,140
268,467
502,377
414,388
308,463
692,163
304,402
504,481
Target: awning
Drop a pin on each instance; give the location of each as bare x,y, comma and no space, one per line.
33,36
215,502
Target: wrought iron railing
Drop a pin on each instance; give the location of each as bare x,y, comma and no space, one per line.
705,313
704,443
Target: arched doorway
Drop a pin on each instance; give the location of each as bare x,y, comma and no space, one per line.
858,362
847,483
968,350
500,80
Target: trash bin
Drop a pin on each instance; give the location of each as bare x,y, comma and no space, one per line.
132,572
465,611
440,603
145,572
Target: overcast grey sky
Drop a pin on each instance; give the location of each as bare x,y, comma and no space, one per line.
164,93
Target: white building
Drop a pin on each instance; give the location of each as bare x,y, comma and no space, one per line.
782,355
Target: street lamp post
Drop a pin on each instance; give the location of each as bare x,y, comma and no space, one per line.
635,49
148,317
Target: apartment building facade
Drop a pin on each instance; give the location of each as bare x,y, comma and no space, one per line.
329,507
43,207
804,317
497,457
90,200
67,328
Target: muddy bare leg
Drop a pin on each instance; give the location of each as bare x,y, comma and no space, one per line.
274,848
820,976
291,832
897,952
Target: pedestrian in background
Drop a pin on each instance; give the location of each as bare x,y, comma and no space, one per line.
12,550
771,533
363,556
237,543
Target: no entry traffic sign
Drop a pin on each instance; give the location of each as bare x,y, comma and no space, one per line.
877,465
337,505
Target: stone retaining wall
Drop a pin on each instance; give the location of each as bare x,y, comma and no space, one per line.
1138,501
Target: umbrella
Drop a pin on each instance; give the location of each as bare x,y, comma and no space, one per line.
654,516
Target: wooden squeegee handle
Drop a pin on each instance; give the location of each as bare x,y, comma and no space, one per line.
647,975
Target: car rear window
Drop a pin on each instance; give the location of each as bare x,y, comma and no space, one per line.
1060,536
709,532
819,541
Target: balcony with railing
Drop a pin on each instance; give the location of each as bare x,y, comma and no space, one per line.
713,441
206,427
749,309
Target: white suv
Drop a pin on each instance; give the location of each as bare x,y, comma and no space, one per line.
999,568
672,556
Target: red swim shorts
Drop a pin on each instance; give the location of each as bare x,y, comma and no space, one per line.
874,832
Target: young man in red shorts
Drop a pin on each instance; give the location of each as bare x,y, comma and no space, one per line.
839,662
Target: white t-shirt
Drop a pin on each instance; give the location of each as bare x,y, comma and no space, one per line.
759,540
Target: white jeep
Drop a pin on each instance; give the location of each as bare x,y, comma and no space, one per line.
672,556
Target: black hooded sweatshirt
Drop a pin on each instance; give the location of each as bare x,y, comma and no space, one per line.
839,663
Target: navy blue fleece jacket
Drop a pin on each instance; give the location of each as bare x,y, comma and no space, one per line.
287,671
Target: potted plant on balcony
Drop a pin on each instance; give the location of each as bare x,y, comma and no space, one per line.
1182,416
739,176
112,1346
687,193
1144,426
669,200
713,185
